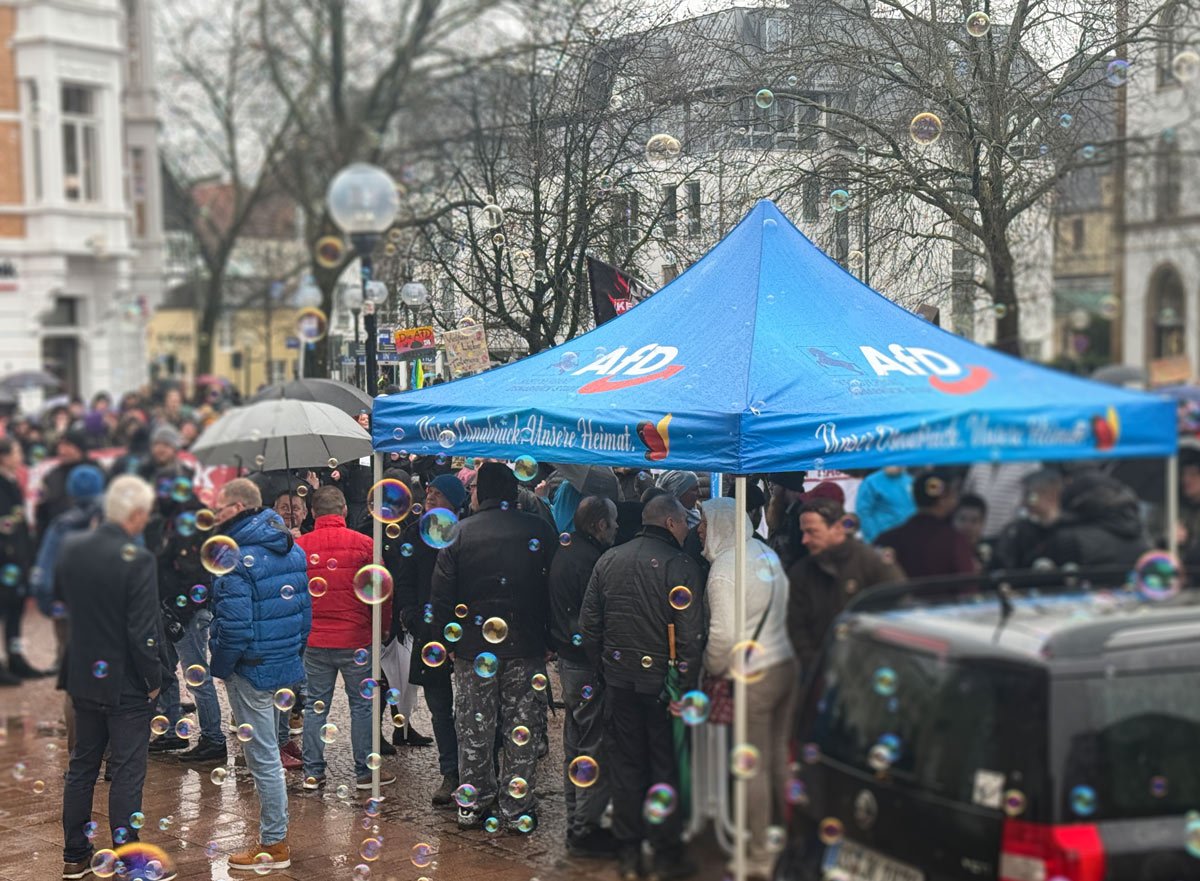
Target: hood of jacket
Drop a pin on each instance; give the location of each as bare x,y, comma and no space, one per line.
720,527
263,528
1099,500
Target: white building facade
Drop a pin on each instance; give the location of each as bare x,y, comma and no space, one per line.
81,235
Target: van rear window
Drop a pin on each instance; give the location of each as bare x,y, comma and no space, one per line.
960,724
1134,749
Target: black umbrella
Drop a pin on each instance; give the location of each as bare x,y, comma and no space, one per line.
342,395
29,379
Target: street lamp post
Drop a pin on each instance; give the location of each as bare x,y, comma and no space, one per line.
352,298
363,203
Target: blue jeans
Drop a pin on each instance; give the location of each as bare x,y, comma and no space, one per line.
257,707
193,649
322,666
439,694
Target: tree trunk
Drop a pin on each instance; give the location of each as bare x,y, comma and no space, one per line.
1004,293
209,316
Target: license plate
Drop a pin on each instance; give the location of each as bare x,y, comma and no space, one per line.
858,863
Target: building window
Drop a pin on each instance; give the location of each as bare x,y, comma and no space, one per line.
225,333
625,218
137,188
693,208
1167,183
670,272
670,211
81,144
1166,313
35,135
1169,23
810,197
1077,234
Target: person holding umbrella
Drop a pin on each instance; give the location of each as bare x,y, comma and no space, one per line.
764,658
638,593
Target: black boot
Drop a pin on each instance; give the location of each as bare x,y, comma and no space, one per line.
204,751
411,738
10,679
168,743
19,666
630,868
445,793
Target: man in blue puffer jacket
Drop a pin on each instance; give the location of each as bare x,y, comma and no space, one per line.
261,618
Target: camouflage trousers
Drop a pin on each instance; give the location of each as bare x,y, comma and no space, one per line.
509,702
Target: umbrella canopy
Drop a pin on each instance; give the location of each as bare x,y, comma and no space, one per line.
1121,374
286,434
1190,393
591,480
342,395
7,398
30,379
766,355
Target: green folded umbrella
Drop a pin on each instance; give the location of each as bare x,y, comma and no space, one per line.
673,691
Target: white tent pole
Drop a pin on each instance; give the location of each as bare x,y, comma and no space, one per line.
376,615
1173,505
739,682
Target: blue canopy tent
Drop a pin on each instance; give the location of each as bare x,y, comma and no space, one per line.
765,356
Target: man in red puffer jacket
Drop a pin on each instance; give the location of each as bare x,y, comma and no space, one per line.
341,626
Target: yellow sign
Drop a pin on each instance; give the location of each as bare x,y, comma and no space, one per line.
1170,371
467,350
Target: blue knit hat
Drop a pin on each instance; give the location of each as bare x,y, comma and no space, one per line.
85,482
451,487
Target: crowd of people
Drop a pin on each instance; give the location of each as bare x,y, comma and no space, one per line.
621,578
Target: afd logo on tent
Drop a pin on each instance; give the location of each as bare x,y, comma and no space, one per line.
619,370
945,374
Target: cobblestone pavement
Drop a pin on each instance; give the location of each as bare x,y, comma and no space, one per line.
325,832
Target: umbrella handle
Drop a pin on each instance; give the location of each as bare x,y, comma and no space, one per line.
671,640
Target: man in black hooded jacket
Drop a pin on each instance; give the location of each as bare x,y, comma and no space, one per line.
1100,523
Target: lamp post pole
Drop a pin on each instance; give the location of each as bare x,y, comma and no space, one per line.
357,371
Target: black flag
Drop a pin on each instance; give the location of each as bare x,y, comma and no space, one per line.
612,290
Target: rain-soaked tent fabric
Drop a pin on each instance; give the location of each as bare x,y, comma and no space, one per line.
768,355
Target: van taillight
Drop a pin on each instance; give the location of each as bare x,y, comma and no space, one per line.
1039,852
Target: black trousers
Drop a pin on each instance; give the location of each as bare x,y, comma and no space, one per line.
126,730
640,753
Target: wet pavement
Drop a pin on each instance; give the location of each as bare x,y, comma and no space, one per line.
325,832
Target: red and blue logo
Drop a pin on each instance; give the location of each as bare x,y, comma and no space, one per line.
944,373
618,370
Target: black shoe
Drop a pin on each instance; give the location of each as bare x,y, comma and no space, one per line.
385,748
630,868
18,666
187,707
205,751
107,772
412,738
671,866
445,793
10,679
598,844
168,743
471,818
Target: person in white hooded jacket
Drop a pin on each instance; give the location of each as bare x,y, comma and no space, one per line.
769,666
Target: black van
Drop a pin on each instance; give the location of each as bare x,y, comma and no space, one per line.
1021,727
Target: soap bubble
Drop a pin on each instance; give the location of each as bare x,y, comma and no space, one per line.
285,699
491,216
311,324
583,771
219,555
518,787
978,24
830,830
538,681
368,687
439,527
1083,801
1066,120
466,795
245,732
1158,575
495,630
925,129
743,658
1185,66
433,654
839,200
219,774
520,735
389,500
661,801
525,468
104,863
695,707
564,539
159,725
329,732
373,584
764,98
446,437
1117,72
662,148
486,665
452,632
195,675
743,761
1014,802
885,681
185,728
680,597
100,669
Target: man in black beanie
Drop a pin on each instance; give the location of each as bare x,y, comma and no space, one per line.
491,604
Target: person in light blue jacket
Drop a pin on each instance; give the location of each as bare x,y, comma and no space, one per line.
261,617
884,501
